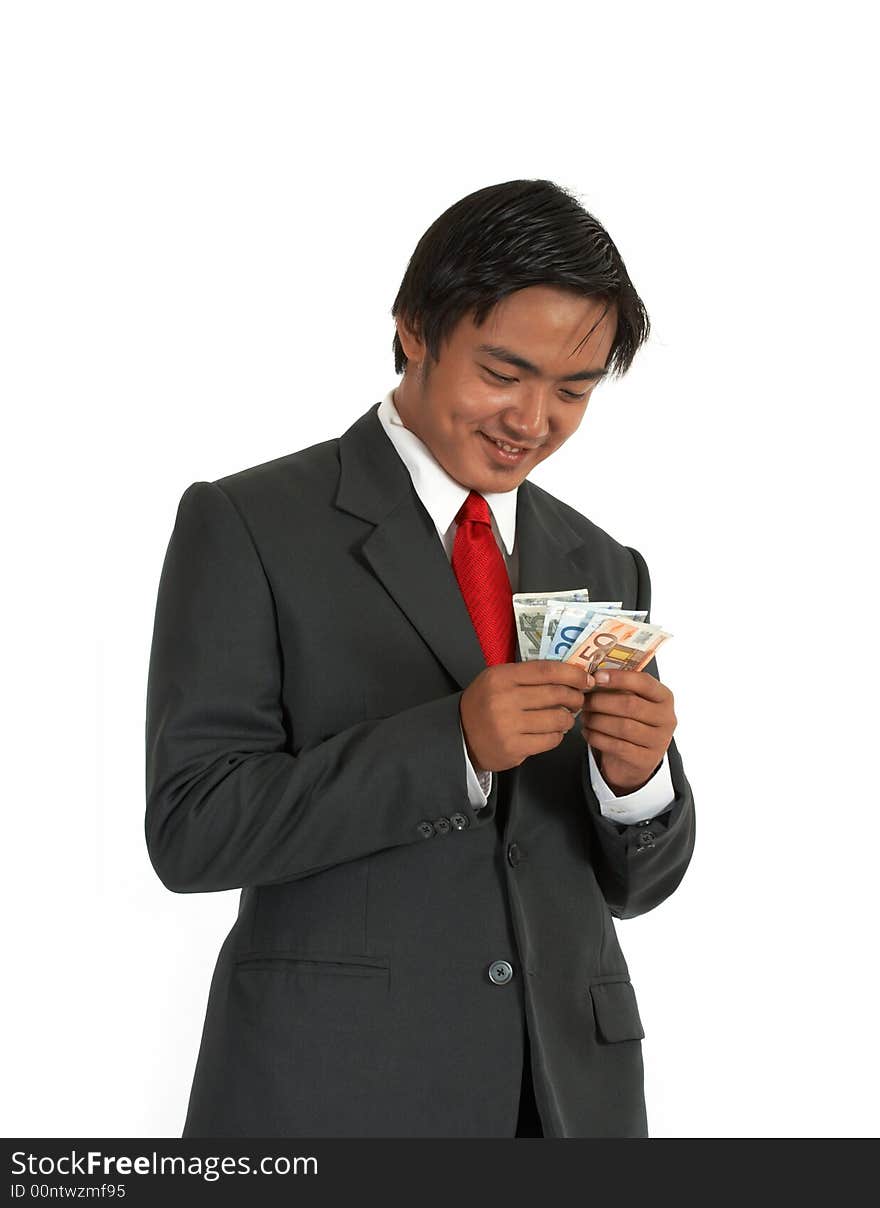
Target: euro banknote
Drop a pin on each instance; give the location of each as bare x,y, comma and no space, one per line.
567,626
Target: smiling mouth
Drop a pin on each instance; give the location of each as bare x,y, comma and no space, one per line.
505,447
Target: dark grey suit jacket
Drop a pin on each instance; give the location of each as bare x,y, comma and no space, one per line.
310,649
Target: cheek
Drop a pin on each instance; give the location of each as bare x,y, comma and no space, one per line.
560,436
568,425
468,416
473,407
557,440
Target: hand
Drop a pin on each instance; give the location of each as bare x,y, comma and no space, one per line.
630,722
513,710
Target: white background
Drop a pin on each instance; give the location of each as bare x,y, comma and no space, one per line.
207,212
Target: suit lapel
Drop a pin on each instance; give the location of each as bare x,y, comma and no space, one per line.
406,555
403,549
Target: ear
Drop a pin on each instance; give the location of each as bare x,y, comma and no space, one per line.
412,343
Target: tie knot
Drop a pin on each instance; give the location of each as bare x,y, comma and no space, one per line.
474,508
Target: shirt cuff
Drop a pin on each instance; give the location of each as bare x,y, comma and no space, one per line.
479,787
639,806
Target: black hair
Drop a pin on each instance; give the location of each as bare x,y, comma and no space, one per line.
506,237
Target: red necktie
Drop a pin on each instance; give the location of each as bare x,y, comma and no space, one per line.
482,576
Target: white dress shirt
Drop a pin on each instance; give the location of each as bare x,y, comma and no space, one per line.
442,497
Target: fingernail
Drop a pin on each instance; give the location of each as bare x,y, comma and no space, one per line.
602,677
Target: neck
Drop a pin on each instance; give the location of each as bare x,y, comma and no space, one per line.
400,398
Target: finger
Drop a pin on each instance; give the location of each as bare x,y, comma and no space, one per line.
624,729
605,745
619,748
542,721
624,704
638,682
536,744
552,671
544,696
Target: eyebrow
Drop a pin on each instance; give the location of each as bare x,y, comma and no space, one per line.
512,358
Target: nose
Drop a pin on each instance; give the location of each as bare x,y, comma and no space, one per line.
527,421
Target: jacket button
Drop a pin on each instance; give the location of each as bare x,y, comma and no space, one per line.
500,972
646,836
442,826
460,821
514,855
426,829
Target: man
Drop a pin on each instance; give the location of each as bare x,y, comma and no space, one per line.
432,838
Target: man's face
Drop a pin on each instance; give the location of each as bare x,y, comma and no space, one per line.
474,395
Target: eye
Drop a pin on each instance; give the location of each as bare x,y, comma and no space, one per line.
507,380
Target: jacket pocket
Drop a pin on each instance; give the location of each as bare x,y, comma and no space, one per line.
616,1010
281,960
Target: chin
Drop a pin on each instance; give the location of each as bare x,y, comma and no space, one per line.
501,483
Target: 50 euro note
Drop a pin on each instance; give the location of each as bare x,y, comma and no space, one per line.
617,642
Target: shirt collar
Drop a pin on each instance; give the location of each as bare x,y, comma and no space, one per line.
441,494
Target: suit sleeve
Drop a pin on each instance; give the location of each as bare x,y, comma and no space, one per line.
228,804
637,866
